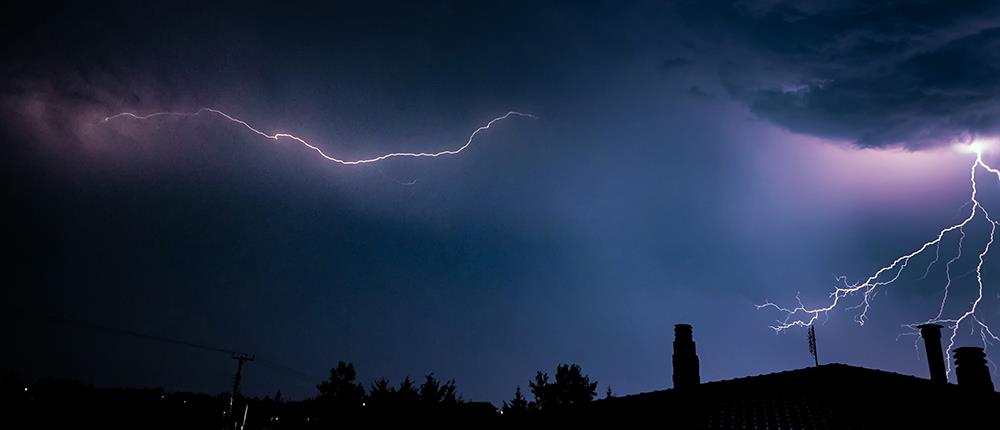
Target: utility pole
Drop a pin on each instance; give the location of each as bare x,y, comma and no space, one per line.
240,358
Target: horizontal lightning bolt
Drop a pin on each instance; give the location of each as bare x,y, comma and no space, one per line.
804,316
303,142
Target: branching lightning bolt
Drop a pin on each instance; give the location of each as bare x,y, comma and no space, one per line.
804,316
303,142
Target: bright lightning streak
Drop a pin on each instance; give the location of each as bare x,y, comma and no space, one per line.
303,142
803,316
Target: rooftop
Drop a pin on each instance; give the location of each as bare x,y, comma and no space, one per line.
831,396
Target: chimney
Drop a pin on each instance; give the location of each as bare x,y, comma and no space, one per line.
685,358
935,359
970,368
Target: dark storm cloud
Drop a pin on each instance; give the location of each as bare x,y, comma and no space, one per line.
915,74
74,64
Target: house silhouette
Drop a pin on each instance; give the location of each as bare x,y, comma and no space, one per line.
830,396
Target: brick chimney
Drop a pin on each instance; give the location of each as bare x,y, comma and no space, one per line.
935,359
970,368
685,358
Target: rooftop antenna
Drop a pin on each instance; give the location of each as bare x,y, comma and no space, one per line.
812,344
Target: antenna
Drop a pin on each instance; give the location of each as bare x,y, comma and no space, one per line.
812,344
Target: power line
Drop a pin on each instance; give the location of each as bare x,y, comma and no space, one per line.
274,366
115,330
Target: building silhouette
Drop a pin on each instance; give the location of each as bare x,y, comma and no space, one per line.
830,396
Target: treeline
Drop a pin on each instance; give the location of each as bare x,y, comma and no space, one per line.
341,394
570,389
341,399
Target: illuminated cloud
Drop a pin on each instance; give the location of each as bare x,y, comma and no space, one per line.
910,74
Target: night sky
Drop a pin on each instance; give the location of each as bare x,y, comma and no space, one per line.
689,160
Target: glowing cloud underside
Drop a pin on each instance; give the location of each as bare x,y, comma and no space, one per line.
303,142
804,316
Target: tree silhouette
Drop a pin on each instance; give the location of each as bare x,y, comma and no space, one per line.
341,392
518,406
406,395
380,394
571,387
432,392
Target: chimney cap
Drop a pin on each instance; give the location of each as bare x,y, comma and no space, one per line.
968,350
970,368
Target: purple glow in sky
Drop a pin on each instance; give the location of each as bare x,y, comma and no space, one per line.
885,277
